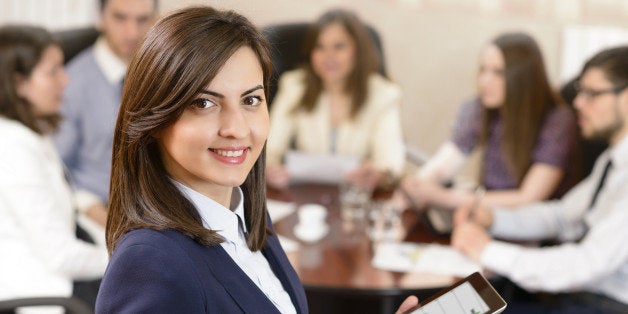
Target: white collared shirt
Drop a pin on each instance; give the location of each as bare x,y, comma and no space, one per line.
111,65
225,222
597,263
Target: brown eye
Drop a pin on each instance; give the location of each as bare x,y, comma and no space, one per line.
253,101
202,103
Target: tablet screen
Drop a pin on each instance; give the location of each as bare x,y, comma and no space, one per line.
462,299
471,295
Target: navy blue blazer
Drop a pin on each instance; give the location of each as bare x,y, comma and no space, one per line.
154,271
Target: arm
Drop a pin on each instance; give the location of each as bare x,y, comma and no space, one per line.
539,184
282,118
40,203
560,268
388,149
281,131
150,278
569,266
551,158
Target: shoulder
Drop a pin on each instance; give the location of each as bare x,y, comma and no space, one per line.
14,134
153,267
292,79
561,113
380,86
161,240
83,61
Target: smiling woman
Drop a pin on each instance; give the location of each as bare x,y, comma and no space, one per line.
188,229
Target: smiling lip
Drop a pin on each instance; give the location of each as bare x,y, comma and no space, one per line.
232,155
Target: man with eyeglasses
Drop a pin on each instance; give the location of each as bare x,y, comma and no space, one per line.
588,272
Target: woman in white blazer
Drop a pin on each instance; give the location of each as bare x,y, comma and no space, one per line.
338,104
41,255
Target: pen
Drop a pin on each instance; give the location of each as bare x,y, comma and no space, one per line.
479,194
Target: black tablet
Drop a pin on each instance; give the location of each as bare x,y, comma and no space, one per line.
472,295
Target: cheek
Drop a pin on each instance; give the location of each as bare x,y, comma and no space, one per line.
316,60
261,126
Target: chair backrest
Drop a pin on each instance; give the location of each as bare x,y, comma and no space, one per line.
70,304
287,41
75,40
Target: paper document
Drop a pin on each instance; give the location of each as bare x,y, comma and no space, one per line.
431,258
319,168
279,210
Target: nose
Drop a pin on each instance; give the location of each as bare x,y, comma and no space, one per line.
233,123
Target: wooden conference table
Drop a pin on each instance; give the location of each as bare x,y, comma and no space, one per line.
336,271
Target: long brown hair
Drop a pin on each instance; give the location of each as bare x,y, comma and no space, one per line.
366,60
180,55
528,99
21,49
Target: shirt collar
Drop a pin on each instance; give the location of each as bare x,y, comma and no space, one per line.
215,216
111,65
619,153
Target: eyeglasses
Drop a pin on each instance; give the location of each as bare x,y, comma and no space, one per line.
590,94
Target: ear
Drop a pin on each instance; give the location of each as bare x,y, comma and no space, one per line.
21,84
622,98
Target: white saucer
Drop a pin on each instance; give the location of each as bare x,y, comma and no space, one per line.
307,234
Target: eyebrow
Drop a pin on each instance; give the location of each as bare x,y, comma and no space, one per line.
212,93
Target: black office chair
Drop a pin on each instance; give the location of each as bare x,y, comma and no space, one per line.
70,304
73,41
287,41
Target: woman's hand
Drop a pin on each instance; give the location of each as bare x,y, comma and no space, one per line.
470,238
407,304
277,177
365,175
416,191
475,212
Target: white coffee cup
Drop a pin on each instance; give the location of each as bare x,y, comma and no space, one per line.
312,225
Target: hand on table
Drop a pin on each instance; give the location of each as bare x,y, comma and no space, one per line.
365,175
470,238
416,191
475,212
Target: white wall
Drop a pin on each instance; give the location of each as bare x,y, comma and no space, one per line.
431,46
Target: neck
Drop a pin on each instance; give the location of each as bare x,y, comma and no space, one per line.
618,137
335,88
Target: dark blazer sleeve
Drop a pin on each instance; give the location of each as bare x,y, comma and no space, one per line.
150,277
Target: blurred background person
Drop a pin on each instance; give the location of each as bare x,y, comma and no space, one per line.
41,254
338,104
590,267
528,136
92,98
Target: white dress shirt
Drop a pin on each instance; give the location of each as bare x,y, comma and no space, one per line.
40,254
225,221
598,263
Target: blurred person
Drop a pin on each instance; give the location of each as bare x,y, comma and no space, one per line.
41,255
590,268
338,104
188,229
92,98
527,134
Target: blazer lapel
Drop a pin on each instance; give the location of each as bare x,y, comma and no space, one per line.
282,268
244,291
